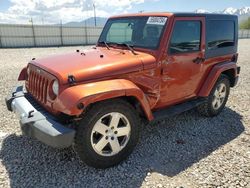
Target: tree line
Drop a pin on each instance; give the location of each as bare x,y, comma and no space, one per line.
245,24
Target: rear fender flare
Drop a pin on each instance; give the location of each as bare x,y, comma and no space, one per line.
213,76
90,93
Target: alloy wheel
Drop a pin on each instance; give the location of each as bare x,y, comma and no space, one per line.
110,134
219,96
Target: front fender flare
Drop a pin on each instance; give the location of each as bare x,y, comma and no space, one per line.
23,74
90,93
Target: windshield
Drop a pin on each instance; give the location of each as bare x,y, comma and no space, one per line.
143,32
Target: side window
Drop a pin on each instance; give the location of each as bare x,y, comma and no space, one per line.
220,34
119,32
186,37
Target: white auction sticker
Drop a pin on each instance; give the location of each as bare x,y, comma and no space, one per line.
157,20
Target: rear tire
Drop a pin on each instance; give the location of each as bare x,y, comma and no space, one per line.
217,98
107,134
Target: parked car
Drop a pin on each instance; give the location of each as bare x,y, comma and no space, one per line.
144,67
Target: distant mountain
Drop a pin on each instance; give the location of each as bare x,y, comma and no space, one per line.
201,11
90,22
243,13
239,12
230,10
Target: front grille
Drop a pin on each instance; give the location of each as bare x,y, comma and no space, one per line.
39,108
38,86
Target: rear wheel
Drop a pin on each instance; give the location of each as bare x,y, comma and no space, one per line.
217,99
107,134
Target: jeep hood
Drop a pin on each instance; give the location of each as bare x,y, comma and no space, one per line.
95,64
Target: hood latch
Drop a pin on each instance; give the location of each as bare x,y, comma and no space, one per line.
71,80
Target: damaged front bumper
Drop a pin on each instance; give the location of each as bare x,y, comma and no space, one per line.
36,124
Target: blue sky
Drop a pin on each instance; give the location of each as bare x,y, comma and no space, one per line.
52,11
4,5
190,5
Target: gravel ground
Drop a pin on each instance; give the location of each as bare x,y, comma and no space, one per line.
184,151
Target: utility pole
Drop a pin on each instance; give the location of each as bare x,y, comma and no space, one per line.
94,13
61,32
33,32
86,32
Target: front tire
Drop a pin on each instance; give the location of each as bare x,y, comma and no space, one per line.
107,134
217,98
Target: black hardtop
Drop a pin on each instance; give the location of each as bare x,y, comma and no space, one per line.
211,18
207,15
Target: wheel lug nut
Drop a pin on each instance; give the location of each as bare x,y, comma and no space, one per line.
106,131
112,138
116,132
106,137
112,127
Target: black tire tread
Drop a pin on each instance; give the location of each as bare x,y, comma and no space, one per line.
205,109
89,117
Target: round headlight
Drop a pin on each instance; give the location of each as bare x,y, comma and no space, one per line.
55,87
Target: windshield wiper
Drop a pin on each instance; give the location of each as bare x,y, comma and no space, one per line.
124,44
105,43
116,43
129,47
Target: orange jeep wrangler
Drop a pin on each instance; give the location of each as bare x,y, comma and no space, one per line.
145,66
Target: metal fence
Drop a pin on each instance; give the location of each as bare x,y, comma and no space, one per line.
46,35
244,33
49,35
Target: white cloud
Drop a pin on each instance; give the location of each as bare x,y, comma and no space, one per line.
52,11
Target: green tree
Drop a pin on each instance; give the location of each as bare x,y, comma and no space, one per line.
245,24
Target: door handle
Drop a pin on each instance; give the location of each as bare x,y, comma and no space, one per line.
199,60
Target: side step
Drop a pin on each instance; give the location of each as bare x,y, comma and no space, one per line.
177,109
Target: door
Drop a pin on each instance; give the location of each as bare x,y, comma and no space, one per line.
182,67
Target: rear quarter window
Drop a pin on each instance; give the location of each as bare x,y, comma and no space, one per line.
220,34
